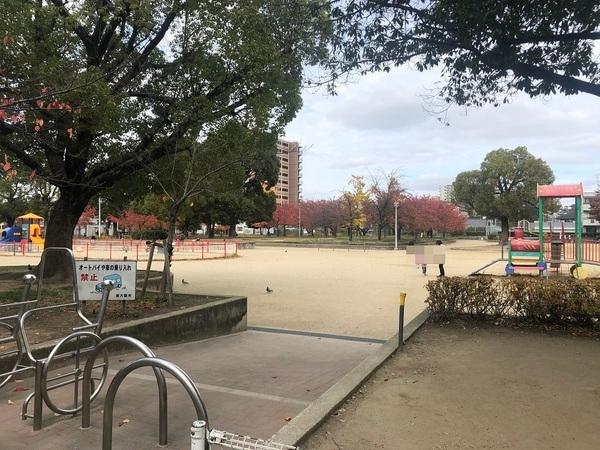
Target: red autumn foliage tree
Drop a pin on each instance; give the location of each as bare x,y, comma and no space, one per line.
323,214
136,221
285,215
449,218
86,217
424,214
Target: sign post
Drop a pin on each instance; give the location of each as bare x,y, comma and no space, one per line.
91,274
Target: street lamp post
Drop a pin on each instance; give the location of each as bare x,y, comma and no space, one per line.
299,218
487,227
396,204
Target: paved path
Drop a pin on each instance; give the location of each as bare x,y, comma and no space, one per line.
251,383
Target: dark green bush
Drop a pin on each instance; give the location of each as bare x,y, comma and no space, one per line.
554,300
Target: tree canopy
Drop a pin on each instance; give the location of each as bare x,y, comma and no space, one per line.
486,49
93,91
505,186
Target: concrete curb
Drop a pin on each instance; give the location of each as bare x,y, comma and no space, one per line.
225,316
319,410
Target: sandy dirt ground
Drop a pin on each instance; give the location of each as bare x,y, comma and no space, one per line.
460,387
350,292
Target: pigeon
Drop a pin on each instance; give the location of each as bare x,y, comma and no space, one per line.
29,267
184,282
269,290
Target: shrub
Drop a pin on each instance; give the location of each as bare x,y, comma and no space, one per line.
558,300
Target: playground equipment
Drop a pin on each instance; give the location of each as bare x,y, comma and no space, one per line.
31,224
11,234
530,254
524,254
539,254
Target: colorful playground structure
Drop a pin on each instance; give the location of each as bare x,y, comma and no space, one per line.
31,224
27,228
550,251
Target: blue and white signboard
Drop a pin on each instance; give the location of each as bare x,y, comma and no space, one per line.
91,274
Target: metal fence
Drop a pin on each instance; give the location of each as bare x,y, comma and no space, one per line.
118,249
590,250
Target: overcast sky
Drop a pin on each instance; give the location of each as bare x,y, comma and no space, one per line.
381,122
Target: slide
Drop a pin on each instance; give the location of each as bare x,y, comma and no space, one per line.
35,235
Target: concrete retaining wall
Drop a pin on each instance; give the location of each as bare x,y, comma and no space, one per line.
217,318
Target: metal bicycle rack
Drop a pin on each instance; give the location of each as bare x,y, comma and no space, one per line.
201,435
88,396
16,322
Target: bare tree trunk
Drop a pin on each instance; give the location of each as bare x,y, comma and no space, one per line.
166,287
505,228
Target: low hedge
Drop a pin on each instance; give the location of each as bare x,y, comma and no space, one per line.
553,300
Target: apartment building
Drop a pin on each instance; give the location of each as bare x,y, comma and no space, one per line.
446,192
288,187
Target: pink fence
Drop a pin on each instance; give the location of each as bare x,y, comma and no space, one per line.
132,249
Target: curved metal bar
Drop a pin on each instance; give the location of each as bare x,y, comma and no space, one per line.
73,264
42,266
160,380
46,368
176,371
22,333
108,286
28,279
8,375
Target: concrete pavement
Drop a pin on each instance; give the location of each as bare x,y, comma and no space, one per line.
252,383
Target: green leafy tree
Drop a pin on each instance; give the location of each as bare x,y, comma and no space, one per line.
353,200
94,91
12,197
505,186
487,49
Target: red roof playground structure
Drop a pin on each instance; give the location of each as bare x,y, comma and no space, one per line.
529,254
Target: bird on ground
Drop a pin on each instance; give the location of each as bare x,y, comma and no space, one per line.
184,282
29,267
269,290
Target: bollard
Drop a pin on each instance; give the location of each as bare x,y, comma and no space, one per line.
401,321
198,435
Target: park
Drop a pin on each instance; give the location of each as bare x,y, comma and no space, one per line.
248,225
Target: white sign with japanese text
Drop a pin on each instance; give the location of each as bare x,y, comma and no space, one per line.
91,274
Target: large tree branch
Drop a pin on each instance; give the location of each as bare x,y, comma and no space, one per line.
569,83
81,32
561,37
21,155
140,61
